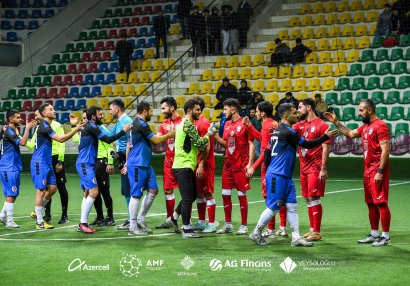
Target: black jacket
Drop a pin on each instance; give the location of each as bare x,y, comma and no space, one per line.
293,100
184,8
225,92
244,95
244,13
124,50
298,53
160,25
196,25
215,24
225,22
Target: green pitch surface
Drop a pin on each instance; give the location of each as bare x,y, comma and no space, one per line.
64,256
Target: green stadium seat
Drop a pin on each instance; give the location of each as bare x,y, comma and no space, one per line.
102,34
89,46
12,94
61,69
360,96
32,93
373,83
385,68
108,13
378,97
55,59
377,42
336,110
382,55
66,58
346,98
16,105
396,54
127,11
343,83
52,69
404,82
358,83
82,36
401,128
75,57
27,81
79,47
404,40
400,67
96,24
407,57
115,23
370,69
408,114
6,105
367,55
118,12
93,35
106,23
69,48
2,118
389,82
393,97
348,114
37,81
22,93
381,112
397,113
355,69
406,97
41,70
331,98
46,81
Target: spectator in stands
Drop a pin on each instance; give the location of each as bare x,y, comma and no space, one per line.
124,51
225,27
258,126
256,98
225,91
244,13
383,23
233,46
196,28
244,95
184,9
299,52
161,27
281,54
215,37
321,105
403,6
395,23
287,99
205,39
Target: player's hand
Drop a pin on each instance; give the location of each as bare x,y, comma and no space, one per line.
127,127
78,127
323,175
378,178
110,169
250,172
330,116
73,119
58,168
31,124
331,133
200,172
124,170
168,127
213,129
246,121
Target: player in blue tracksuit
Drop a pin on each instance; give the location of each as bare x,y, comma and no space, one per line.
280,157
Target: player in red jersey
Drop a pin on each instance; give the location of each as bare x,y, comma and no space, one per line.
205,176
264,112
313,164
375,137
239,155
169,109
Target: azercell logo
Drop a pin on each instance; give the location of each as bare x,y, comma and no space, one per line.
288,265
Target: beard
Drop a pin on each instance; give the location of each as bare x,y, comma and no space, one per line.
366,119
148,118
168,115
195,116
98,121
229,117
302,116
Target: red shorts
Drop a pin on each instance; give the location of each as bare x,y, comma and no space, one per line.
235,180
206,185
263,175
311,185
376,193
170,182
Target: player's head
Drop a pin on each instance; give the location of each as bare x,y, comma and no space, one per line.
84,117
95,114
192,108
117,108
145,110
37,116
201,102
47,111
288,112
306,106
367,109
252,112
13,117
168,106
264,109
231,107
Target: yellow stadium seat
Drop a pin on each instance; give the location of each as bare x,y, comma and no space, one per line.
295,33
155,76
319,20
372,30
128,102
324,57
207,75
361,30
272,72
334,31
318,7
216,86
122,77
216,114
208,100
145,77
141,90
358,17
308,33
284,72
146,65
272,85
107,90
233,61
321,33
193,88
105,103
310,44
158,64
220,62
330,7
175,29
300,95
161,116
136,65
306,21
220,74
349,43
328,84
294,22
233,74
130,90
342,6
326,70
180,101
348,31
118,90
314,84
371,16
356,5
258,73
323,45
273,98
258,60
149,54
245,73
246,61
92,102
283,35
133,78
206,88
259,85
336,44
338,56
353,56
298,71
331,19
169,64
363,43
381,3
312,71
270,48
206,113
285,85
107,117
300,84
345,18
311,58
305,9
368,4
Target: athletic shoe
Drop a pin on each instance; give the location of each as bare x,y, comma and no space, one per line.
281,233
301,242
259,239
125,225
199,226
110,221
136,231
33,215
144,227
84,228
306,235
3,219
172,223
12,224
44,225
209,229
227,228
63,220
315,236
269,234
164,225
189,233
381,241
368,239
243,229
47,218
99,222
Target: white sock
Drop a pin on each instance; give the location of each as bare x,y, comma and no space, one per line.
293,219
39,214
9,211
3,210
175,216
265,217
86,208
132,211
45,201
145,206
384,234
200,221
169,197
374,232
186,227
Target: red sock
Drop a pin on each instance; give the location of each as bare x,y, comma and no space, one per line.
227,207
282,214
271,224
201,210
211,210
385,216
374,216
170,203
317,211
243,204
310,217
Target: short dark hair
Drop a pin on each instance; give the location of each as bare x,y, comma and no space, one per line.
298,40
143,106
288,93
309,101
277,41
232,102
369,104
85,110
117,102
170,101
201,101
285,108
42,107
318,95
190,104
11,112
267,107
92,111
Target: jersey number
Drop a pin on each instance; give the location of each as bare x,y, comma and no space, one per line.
274,142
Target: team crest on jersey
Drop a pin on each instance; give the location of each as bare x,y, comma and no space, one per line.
231,145
370,131
365,136
312,129
171,144
44,182
238,128
280,203
14,189
94,180
232,133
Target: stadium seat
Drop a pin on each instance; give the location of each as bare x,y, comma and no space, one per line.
381,55
404,40
298,71
285,85
326,70
381,112
360,96
311,58
373,83
358,17
323,45
284,72
258,73
370,69
401,128
320,33
352,56
331,98
300,85
377,41
332,19
233,61
346,98
345,18
258,86
378,97
272,85
130,90
407,57
385,68
324,57
107,91
283,34
312,71
396,54
343,84
348,114
233,74
388,82
358,83
246,60
366,56
363,43
219,74
193,88
328,84
122,78
105,103
295,21
295,33
400,68
118,90
393,97
258,60
348,31
355,69
270,48
272,72
206,87
318,20
314,84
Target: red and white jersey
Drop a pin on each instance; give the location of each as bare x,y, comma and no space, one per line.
169,143
268,126
202,125
236,135
311,159
372,134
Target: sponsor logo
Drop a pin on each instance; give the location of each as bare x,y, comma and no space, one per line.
288,265
130,265
80,265
242,264
215,265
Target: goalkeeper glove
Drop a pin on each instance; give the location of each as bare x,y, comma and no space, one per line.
213,129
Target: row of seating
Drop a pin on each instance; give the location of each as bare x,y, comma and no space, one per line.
34,3
341,6
327,32
332,19
136,2
20,25
388,82
351,113
379,97
385,54
384,68
130,21
116,33
34,14
139,10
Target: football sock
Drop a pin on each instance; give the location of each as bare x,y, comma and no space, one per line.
265,217
39,214
145,206
386,235
201,206
3,210
317,211
175,216
271,224
132,209
385,216
63,199
86,208
282,214
170,204
211,205
374,232
243,204
98,207
227,200
374,216
47,208
9,211
310,216
293,219
45,201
